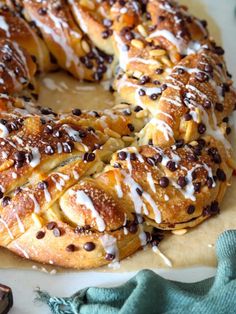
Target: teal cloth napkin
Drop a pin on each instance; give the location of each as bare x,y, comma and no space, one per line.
149,293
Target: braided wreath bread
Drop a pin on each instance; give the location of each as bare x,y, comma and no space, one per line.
87,188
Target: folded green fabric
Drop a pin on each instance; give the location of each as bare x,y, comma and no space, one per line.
149,293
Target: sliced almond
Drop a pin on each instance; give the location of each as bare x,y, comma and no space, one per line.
157,52
179,232
137,43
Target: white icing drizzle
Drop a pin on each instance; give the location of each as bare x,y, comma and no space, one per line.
20,224
163,127
118,187
59,27
152,203
83,199
47,195
82,24
123,52
75,174
4,26
109,244
137,199
37,208
36,157
4,131
142,236
165,258
72,133
151,182
59,148
60,184
26,255
8,229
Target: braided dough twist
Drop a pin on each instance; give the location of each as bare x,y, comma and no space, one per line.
84,189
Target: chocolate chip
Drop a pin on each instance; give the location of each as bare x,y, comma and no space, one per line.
179,143
221,175
133,156
228,130
194,174
188,117
19,156
6,201
89,157
43,185
204,23
161,18
19,164
208,68
144,79
40,235
48,129
191,209
197,187
182,181
163,87
201,77
133,228
219,107
159,71
68,147
57,232
201,128
151,161
107,33
164,182
141,92
110,257
122,155
207,104
57,134
217,158
42,11
158,158
49,150
130,127
153,96
70,248
89,246
215,208
51,225
209,183
138,108
181,71
171,165
219,50
226,119
139,191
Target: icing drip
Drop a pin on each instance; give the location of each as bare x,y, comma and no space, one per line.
4,26
7,228
26,255
109,244
165,259
151,182
4,131
83,199
37,208
36,157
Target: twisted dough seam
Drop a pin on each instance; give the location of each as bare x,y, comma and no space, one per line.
84,189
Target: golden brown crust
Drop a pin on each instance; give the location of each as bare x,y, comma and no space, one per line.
84,189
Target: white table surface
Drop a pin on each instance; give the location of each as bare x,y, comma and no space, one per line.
24,282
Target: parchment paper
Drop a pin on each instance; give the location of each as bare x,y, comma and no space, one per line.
197,246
